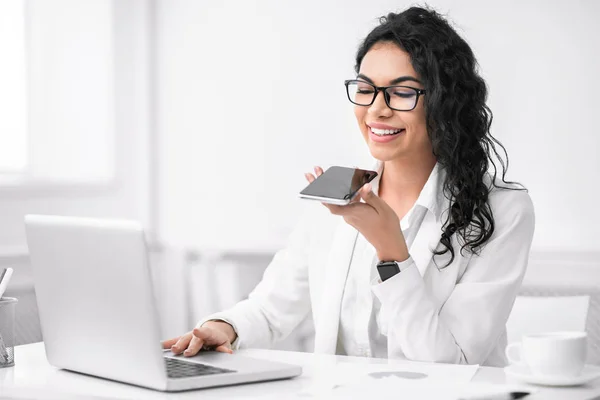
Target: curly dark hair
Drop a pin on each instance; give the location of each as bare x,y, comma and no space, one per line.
458,119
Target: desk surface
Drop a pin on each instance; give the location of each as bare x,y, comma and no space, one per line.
32,377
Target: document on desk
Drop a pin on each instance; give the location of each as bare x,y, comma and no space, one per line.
412,380
394,388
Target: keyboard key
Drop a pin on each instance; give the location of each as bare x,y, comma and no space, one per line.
185,369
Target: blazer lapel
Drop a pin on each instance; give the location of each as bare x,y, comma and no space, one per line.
425,242
337,265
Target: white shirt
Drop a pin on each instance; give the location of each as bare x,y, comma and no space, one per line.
360,320
454,314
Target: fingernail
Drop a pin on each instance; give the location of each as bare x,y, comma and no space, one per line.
368,187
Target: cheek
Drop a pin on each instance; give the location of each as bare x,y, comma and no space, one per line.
360,113
418,123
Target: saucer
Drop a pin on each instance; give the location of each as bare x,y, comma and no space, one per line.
523,373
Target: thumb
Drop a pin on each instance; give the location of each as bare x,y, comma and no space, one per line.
224,348
366,193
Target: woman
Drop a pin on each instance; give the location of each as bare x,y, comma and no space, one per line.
459,236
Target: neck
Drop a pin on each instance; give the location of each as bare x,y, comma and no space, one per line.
404,178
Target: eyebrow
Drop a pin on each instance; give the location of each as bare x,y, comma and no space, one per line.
393,82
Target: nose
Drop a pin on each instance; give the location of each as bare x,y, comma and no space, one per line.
379,107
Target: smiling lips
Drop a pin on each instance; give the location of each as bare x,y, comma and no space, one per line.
384,134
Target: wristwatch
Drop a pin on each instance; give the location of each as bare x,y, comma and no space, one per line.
387,269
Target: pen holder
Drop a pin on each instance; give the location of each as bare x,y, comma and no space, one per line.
7,331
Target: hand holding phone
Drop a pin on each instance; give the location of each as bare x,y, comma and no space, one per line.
337,185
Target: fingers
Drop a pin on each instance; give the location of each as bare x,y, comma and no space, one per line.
335,210
210,339
170,342
182,343
194,347
349,209
192,342
309,177
224,349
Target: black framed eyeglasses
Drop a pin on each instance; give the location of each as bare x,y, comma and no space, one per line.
398,98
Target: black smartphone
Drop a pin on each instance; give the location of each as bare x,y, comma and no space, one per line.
337,185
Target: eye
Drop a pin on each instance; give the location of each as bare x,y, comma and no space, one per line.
402,92
364,89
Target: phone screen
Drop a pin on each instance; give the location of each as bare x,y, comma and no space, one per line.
339,183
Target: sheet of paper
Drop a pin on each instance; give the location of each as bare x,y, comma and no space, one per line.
394,380
396,388
416,379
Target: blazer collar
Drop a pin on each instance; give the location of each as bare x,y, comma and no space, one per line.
425,242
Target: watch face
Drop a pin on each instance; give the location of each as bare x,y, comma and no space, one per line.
387,270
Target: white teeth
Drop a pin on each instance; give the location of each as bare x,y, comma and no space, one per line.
385,131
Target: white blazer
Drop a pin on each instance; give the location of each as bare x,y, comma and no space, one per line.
455,314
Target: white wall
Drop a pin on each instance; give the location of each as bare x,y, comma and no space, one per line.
540,59
232,160
237,129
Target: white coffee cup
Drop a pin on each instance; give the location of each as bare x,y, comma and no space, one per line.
550,354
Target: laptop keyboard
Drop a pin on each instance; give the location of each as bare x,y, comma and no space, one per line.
185,369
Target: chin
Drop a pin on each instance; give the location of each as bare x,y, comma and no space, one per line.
383,154
385,151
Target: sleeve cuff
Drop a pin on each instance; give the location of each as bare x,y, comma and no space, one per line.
236,343
402,265
406,263
400,285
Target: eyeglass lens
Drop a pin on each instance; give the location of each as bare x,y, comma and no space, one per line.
399,97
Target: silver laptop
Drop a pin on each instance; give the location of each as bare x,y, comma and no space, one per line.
98,313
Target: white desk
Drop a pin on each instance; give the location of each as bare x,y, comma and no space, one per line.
32,377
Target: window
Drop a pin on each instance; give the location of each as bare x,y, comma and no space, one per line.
57,103
13,98
86,114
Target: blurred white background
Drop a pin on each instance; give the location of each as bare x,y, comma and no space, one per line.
200,118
